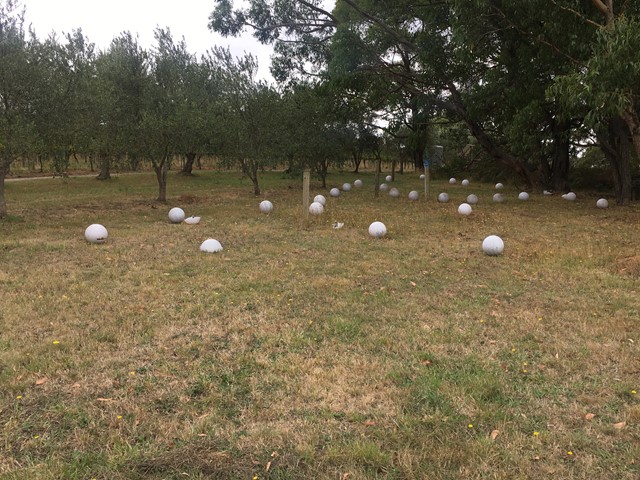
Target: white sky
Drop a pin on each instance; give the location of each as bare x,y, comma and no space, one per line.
103,20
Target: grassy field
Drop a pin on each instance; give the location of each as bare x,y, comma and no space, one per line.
314,353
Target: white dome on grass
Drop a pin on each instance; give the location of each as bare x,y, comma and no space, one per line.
602,203
569,196
176,215
388,178
422,176
384,187
211,246
320,199
334,192
357,183
443,197
472,199
266,206
452,180
493,245
346,187
465,209
465,183
523,196
316,208
499,186
377,229
394,192
413,195
96,233
192,220
498,198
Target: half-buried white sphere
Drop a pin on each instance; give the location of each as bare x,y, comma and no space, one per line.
394,192
569,196
602,203
320,199
346,187
192,220
384,187
493,245
443,197
499,186
96,233
388,178
498,198
464,209
357,183
472,199
465,183
452,180
266,206
176,215
211,246
316,208
422,177
334,192
413,195
523,196
377,229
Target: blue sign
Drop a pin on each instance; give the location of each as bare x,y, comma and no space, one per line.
425,162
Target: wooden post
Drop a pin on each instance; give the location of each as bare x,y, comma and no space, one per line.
306,178
427,181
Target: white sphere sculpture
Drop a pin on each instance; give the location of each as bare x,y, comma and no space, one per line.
384,187
465,183
192,220
493,245
388,178
316,208
452,180
211,246
602,203
320,199
498,198
443,197
499,186
96,233
176,215
523,196
472,199
377,229
394,192
569,196
547,192
346,187
464,209
266,206
422,176
413,195
334,192
357,183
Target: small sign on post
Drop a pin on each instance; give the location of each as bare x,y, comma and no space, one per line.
427,180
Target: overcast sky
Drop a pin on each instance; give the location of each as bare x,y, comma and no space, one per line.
103,20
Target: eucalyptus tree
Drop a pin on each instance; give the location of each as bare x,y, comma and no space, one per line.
20,78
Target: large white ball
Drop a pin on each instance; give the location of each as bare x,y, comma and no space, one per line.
211,246
96,233
493,245
602,203
413,195
422,176
388,178
452,180
384,187
499,186
357,183
346,187
472,199
569,196
465,183
320,199
464,209
443,197
394,192
266,206
523,196
498,198
316,208
176,215
377,229
334,192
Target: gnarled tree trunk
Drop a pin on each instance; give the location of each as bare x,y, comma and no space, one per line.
616,147
187,168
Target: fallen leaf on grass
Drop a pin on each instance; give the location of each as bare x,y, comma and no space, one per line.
41,381
369,423
494,434
100,399
620,425
589,416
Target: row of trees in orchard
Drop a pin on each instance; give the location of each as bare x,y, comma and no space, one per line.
535,83
127,105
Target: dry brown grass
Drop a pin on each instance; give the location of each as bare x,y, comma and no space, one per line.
315,353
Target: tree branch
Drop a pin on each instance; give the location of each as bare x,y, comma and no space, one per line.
577,14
